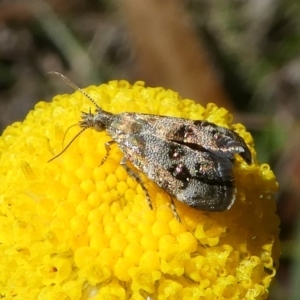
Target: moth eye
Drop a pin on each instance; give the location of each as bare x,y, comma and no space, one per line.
175,152
98,126
180,172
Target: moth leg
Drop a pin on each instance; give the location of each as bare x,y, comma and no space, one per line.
107,148
138,180
174,210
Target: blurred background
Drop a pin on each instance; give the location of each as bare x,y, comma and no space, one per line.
243,55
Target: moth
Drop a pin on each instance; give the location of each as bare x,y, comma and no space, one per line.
191,160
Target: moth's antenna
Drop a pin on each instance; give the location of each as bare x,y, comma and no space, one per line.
67,132
73,139
74,86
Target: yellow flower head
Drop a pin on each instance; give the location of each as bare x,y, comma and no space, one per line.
78,229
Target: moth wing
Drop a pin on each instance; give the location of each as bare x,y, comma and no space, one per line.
200,179
207,196
205,136
212,189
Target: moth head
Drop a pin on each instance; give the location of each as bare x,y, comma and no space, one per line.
88,120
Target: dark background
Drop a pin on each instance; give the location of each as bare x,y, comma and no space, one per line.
243,55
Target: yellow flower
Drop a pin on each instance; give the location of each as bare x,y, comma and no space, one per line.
76,229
